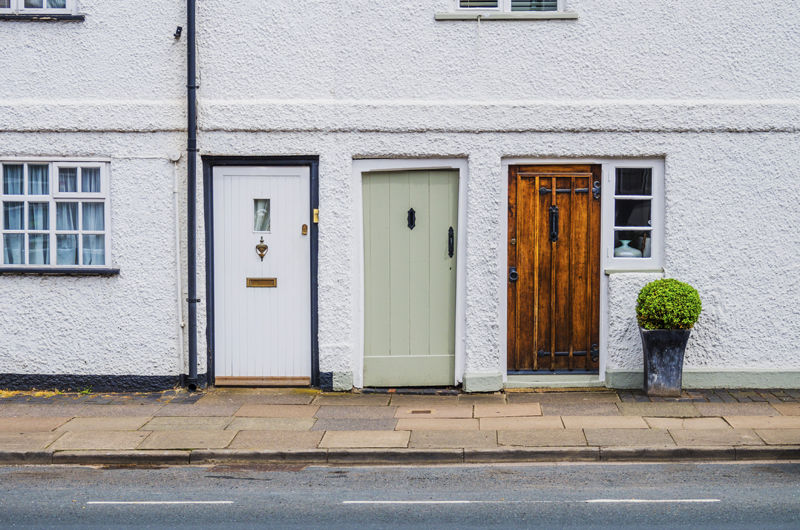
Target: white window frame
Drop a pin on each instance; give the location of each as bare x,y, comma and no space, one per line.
18,7
503,6
53,197
656,260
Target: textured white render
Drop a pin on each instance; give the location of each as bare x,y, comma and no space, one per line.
711,87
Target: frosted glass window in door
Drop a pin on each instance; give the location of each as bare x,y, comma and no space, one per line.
12,180
261,215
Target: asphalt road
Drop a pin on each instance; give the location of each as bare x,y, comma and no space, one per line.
755,495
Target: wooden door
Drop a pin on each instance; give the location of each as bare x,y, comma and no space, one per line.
262,320
410,228
554,268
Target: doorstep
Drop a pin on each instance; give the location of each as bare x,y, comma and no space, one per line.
554,381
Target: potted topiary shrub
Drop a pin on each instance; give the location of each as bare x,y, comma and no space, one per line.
666,311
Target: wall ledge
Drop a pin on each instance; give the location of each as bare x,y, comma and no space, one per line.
705,379
548,15
50,271
26,17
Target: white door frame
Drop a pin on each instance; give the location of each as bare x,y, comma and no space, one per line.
357,272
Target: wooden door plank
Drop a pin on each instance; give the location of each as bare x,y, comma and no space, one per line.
377,327
420,264
399,248
512,350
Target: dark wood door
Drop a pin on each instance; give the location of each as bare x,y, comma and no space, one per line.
554,268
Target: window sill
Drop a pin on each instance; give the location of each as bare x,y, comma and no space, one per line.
551,15
42,17
52,271
643,270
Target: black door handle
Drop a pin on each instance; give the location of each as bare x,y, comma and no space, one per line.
412,218
554,223
513,275
451,241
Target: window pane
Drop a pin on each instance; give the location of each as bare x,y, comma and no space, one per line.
13,215
261,215
94,250
534,5
478,3
33,3
90,179
67,249
632,244
38,216
38,249
5,4
67,216
632,212
67,179
634,181
12,180
93,216
14,249
38,181
56,4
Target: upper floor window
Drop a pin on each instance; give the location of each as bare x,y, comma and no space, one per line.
54,214
37,6
510,5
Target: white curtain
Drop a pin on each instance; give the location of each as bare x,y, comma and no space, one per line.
12,180
94,250
90,179
38,216
33,3
13,248
67,249
67,216
67,179
93,216
38,182
12,215
39,249
56,4
261,215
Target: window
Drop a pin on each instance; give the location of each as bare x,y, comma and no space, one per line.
37,6
509,5
633,206
54,214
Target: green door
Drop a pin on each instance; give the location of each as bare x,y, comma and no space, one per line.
410,228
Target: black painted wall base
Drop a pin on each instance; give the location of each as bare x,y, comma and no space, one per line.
326,381
96,383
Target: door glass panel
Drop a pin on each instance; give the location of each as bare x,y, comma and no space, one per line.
12,215
634,181
14,249
632,213
632,243
261,215
68,179
39,249
38,180
67,251
12,180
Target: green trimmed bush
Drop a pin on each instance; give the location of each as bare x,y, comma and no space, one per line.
668,304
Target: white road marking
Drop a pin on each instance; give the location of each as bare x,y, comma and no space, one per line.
634,501
160,502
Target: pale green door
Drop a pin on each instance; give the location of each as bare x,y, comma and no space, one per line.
410,229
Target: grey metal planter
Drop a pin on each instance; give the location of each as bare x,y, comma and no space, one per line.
663,360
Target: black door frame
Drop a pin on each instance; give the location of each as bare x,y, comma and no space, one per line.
209,162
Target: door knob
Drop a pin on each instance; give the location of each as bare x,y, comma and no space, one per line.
513,275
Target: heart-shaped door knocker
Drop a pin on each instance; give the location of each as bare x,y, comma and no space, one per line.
261,249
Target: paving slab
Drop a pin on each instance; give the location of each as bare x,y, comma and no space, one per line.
715,437
354,424
453,439
195,439
86,440
362,412
277,411
364,439
629,437
29,441
242,398
276,440
687,423
443,411
30,424
437,424
508,411
404,400
663,410
580,409
736,409
764,422
542,438
271,424
178,423
53,410
787,409
105,424
352,399
521,424
562,397
779,436
484,399
103,411
604,422
197,409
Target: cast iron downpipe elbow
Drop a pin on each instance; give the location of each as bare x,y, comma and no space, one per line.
191,190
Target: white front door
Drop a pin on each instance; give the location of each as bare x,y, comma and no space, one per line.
262,317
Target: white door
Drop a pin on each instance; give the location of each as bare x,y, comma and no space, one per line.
262,317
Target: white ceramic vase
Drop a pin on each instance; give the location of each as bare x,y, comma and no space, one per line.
626,251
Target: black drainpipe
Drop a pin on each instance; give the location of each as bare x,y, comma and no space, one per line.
191,191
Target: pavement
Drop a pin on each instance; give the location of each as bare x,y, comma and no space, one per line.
305,426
